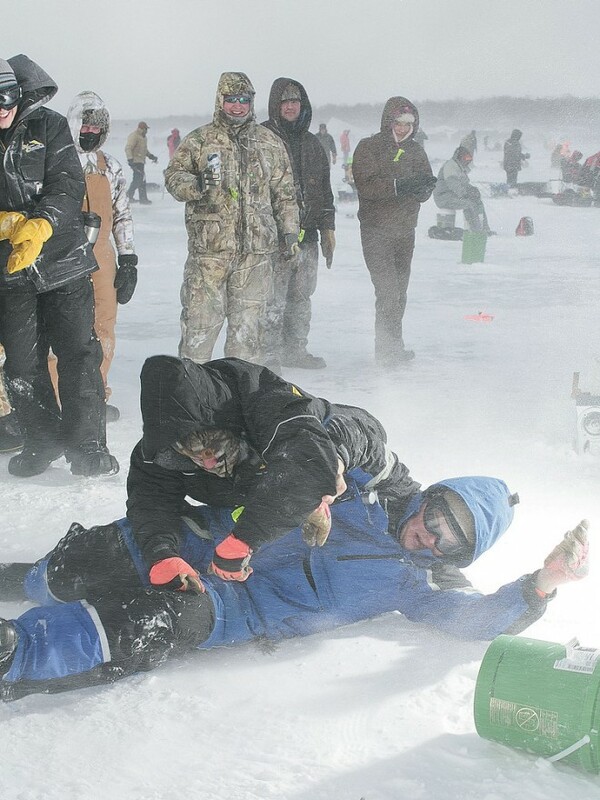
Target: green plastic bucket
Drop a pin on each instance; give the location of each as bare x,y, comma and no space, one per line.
473,247
541,697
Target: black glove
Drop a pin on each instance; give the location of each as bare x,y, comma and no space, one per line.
208,179
130,162
153,158
126,277
473,193
415,184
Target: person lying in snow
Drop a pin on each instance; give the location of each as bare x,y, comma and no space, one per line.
100,620
232,433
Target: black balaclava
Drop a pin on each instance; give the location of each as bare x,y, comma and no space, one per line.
89,141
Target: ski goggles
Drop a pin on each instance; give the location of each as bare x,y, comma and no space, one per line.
10,97
244,99
440,522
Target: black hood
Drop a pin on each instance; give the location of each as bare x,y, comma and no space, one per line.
38,87
179,396
302,124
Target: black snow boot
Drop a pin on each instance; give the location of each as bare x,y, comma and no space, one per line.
93,462
8,644
302,359
34,460
11,438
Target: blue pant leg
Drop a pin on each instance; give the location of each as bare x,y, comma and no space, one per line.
57,641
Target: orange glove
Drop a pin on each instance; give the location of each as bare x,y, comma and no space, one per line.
230,561
175,574
27,242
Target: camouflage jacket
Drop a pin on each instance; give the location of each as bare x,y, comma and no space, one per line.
255,204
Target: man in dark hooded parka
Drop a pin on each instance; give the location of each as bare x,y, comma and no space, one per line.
46,293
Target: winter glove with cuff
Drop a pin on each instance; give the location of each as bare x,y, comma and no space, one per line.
10,222
417,185
208,179
126,277
27,242
230,561
328,246
291,246
175,574
569,561
317,526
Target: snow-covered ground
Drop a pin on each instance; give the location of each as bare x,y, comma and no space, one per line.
380,710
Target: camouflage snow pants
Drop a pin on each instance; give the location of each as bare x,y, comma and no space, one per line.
225,287
289,312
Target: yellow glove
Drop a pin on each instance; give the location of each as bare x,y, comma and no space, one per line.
27,243
10,221
328,246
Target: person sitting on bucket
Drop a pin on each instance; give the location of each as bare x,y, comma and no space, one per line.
454,191
100,619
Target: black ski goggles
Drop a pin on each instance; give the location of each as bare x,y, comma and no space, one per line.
9,98
440,522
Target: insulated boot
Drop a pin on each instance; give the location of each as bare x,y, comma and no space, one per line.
93,462
395,359
8,644
34,460
303,360
11,438
112,413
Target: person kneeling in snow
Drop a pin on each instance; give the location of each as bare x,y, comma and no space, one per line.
232,433
100,619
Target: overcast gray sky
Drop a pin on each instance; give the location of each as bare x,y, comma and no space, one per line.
150,58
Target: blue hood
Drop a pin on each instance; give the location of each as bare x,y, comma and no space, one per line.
490,502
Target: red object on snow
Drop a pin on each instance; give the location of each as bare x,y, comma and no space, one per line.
480,317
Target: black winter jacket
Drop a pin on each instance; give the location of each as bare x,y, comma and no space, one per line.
41,176
291,442
309,161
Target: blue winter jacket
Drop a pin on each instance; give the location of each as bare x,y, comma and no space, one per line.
361,572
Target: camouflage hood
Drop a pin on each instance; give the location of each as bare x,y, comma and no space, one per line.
88,108
233,83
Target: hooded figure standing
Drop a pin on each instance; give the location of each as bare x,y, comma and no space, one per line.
46,293
295,280
393,177
513,157
106,196
237,182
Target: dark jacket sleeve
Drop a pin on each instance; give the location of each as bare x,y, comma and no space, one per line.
301,466
155,498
